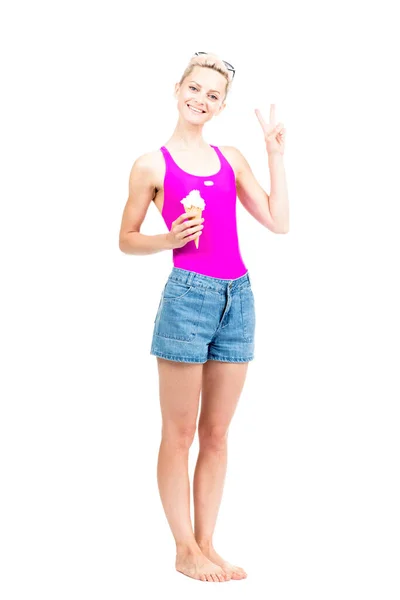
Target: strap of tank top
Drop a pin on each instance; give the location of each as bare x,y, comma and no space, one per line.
170,164
224,162
168,155
165,152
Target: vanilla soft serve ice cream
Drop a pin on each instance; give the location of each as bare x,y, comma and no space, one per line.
193,200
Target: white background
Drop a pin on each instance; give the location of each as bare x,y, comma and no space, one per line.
310,506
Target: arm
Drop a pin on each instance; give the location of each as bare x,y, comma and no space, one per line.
267,210
141,193
278,199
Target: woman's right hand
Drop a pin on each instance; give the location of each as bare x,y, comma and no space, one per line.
183,232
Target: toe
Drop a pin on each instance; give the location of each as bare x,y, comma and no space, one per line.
239,573
228,575
236,574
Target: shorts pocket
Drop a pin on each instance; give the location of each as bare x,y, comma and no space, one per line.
179,317
175,290
248,313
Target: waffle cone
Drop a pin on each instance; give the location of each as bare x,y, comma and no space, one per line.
195,212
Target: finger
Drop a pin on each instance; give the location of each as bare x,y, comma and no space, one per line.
272,118
181,218
195,229
263,124
276,131
191,223
186,215
191,230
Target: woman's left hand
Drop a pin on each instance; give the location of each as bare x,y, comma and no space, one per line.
274,134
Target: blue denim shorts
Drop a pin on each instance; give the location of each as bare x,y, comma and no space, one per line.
202,318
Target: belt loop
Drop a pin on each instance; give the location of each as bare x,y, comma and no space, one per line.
190,278
248,278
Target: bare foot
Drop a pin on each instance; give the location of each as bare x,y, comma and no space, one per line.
232,571
198,566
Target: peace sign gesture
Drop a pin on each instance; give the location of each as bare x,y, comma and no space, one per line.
274,134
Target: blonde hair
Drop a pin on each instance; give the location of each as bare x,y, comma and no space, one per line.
211,61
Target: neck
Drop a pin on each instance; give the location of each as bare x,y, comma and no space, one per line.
187,137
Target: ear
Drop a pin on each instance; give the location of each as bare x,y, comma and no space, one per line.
221,108
176,90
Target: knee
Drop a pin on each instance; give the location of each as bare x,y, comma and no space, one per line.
213,438
179,437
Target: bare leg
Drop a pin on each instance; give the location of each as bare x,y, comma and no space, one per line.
222,386
180,385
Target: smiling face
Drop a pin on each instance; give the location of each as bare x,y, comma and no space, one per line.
201,95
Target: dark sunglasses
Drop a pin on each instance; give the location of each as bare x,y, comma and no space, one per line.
228,65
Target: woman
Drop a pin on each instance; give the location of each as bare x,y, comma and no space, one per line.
204,328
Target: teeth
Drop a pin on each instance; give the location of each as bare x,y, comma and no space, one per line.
194,109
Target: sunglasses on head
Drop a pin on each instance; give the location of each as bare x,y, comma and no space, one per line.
228,65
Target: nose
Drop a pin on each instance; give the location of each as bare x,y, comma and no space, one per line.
199,101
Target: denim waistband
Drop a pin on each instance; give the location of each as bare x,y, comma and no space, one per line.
205,281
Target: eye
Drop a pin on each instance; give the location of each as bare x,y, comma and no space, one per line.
213,96
191,87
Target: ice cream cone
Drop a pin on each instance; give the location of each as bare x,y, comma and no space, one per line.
194,205
195,214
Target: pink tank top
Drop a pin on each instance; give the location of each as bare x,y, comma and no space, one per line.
218,254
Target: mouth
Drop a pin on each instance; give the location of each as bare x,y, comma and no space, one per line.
197,111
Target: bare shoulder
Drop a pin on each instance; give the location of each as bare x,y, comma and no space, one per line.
149,165
234,157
